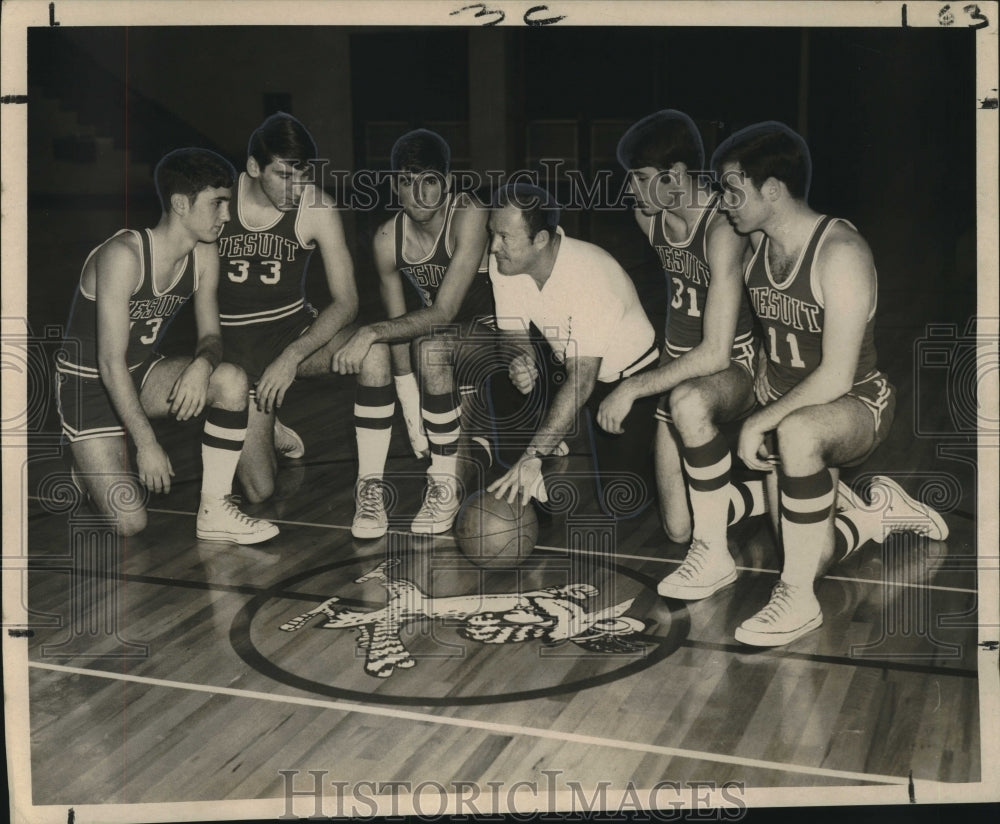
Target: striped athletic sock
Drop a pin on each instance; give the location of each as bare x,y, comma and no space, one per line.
374,407
806,503
221,444
708,470
441,414
746,500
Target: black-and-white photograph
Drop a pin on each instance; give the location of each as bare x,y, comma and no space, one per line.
498,407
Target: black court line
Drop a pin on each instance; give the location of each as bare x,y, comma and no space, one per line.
735,649
180,583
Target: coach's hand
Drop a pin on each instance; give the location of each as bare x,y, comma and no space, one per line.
752,449
347,360
614,409
525,479
189,394
523,373
154,468
274,383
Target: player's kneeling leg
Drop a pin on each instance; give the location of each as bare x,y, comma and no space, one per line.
219,519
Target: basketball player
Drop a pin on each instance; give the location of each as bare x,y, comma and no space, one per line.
824,402
705,375
707,370
587,308
437,243
112,380
279,217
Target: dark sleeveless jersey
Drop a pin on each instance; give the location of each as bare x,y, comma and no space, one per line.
685,266
149,312
426,275
791,315
261,269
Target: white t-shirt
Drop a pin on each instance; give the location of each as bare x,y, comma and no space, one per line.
587,308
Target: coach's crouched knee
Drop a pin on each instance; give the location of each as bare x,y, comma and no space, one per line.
228,387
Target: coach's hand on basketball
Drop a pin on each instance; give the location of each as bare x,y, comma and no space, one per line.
614,409
271,388
523,373
525,479
154,468
189,393
751,448
347,360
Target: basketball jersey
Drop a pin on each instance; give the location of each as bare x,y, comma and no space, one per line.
685,266
149,313
427,275
791,315
262,268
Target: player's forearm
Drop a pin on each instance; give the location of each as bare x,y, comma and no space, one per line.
696,363
327,324
209,348
819,388
125,400
407,327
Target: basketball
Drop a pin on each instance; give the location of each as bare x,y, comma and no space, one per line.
494,533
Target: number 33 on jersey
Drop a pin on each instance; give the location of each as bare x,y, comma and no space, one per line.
262,267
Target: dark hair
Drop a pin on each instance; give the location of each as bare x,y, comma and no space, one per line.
769,149
538,208
660,140
281,135
420,151
190,171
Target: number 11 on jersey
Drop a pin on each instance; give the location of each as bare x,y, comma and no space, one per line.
793,346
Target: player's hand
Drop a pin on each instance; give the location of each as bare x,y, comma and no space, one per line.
154,468
523,373
613,410
760,384
752,449
190,391
274,383
347,360
523,479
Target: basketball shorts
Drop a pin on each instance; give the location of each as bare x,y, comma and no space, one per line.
478,301
255,346
879,398
743,355
85,408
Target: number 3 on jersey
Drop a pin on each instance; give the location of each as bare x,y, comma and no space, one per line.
153,325
793,347
677,302
272,276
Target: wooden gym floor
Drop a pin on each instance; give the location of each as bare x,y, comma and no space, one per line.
167,669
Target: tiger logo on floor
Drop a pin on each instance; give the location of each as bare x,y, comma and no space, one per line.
553,615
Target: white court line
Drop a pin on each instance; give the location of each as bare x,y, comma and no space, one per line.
624,555
872,581
484,726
